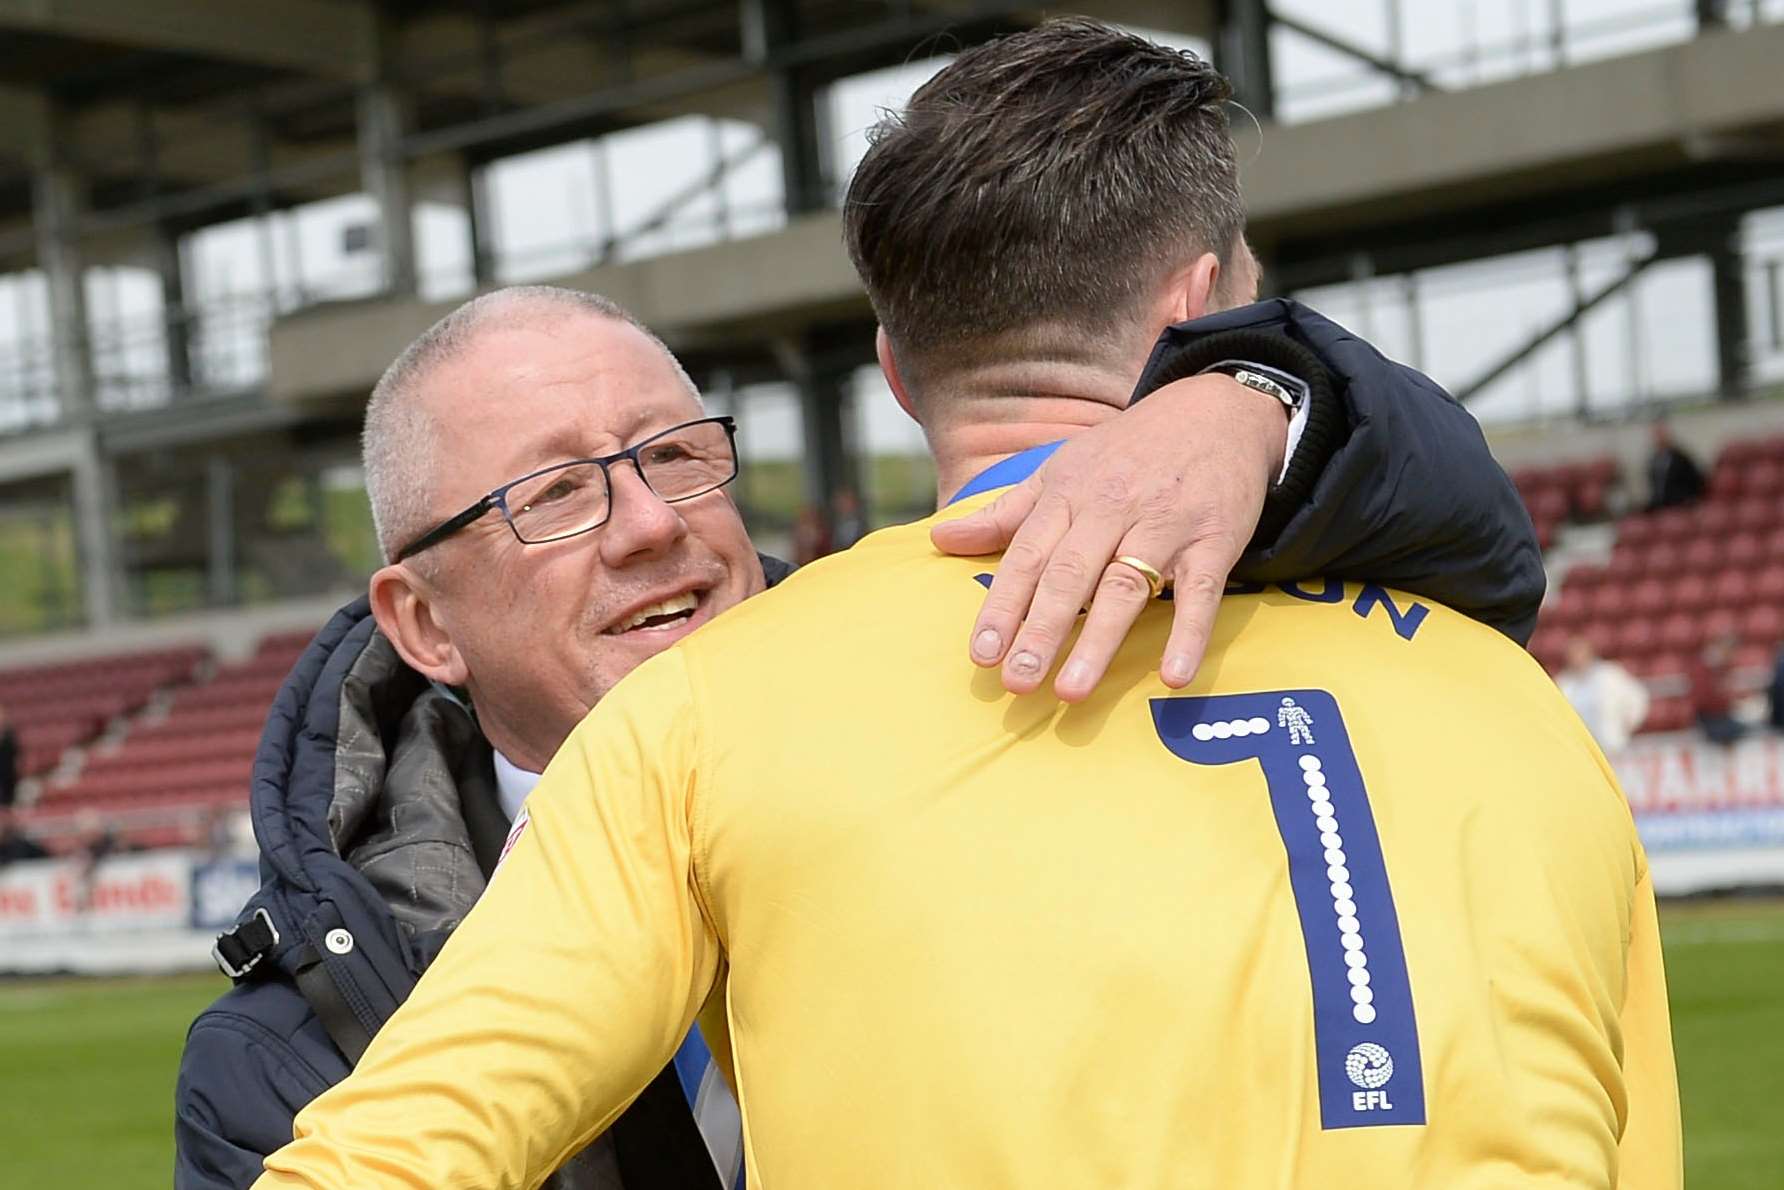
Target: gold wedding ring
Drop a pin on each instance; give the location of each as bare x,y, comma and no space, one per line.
1155,581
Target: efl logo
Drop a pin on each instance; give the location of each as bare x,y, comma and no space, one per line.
1370,1067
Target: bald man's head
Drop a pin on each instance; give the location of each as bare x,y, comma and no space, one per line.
401,442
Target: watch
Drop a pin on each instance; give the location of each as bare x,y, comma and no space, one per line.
1291,391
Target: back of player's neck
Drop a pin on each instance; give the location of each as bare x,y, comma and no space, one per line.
983,415
963,451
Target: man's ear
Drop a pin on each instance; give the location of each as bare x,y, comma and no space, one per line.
882,346
404,605
1191,290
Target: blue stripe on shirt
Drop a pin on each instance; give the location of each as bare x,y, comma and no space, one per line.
1009,471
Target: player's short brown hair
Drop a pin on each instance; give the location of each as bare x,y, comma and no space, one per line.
1050,179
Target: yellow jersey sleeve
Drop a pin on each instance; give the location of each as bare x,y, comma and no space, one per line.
564,992
1650,1155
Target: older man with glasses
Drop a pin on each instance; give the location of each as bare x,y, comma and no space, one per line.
550,494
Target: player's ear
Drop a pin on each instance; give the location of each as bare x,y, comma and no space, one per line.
1191,290
882,346
408,612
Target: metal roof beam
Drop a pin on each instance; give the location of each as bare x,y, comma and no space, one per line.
315,36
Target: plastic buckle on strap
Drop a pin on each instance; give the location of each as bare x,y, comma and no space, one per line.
240,950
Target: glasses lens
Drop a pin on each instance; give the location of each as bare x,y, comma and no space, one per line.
558,503
688,460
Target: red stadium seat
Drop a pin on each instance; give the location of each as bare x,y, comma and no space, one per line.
1714,520
1763,477
1609,602
1667,667
1649,598
1732,588
1668,714
1547,504
1723,621
1742,550
1627,563
1763,625
1681,633
1636,638
1757,659
1674,524
1603,636
1755,515
1571,609
1768,586
202,721
1532,479
1584,576
1549,647
1690,592
1702,554
1589,500
1663,560
1635,530
1725,481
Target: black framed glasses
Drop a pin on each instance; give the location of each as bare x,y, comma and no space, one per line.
566,499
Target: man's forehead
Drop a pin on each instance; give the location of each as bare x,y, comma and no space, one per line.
598,369
523,393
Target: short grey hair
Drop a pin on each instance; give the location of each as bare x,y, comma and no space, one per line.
400,441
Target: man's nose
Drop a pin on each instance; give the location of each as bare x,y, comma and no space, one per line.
639,522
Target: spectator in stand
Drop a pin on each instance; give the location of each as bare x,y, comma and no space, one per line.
847,518
9,761
1711,700
220,833
15,845
102,842
1674,478
1776,693
1609,699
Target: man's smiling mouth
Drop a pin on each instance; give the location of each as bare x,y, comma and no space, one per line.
666,613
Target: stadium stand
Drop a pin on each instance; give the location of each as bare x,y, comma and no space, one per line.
58,706
159,776
1674,578
1578,491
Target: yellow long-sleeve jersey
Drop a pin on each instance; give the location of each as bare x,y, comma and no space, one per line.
1364,906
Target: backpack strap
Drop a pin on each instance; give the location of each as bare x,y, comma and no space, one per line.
331,1008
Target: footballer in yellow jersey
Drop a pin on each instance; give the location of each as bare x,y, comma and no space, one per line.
1361,907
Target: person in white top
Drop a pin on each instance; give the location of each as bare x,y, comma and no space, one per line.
1611,701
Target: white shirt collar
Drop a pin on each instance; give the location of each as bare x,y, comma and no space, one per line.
513,783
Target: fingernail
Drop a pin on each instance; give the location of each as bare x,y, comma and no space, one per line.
1025,663
1076,673
1176,670
987,645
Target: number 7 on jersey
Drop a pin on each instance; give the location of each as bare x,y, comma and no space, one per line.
1365,1038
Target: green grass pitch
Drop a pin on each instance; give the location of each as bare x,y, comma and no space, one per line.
87,1066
